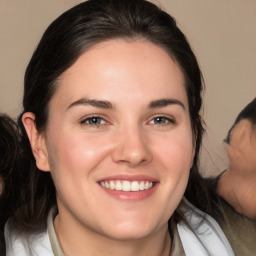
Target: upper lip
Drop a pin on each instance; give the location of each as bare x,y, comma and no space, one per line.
128,178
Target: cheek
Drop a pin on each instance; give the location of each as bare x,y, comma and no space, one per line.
178,164
76,154
177,150
176,156
72,161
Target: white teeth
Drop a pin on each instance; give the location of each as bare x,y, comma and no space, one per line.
119,185
111,184
135,186
124,185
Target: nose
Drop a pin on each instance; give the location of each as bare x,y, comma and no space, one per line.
132,148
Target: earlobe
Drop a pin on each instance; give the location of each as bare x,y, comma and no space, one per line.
37,141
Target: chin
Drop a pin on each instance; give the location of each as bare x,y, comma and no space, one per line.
134,230
130,234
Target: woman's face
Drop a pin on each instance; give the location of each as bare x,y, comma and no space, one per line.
119,143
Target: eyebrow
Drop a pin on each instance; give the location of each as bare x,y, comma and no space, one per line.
165,102
104,104
92,102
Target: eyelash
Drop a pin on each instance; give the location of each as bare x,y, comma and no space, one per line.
161,118
96,121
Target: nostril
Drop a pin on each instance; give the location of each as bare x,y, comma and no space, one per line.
131,157
132,148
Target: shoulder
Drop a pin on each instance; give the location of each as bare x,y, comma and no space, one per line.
20,244
201,233
240,230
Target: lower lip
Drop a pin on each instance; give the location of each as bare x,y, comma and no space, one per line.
132,195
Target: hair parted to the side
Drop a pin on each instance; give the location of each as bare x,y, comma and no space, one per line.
64,41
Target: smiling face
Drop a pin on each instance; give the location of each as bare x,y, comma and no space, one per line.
119,142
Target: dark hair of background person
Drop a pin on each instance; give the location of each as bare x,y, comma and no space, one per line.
10,155
69,36
248,113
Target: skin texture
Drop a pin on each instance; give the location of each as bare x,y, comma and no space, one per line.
237,185
135,136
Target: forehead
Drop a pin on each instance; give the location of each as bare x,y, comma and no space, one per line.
117,65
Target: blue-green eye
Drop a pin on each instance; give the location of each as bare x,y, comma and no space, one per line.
161,120
93,120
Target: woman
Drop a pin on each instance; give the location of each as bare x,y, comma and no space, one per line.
112,129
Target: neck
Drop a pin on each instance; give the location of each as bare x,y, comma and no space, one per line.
239,191
81,240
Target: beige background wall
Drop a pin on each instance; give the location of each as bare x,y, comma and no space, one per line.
221,32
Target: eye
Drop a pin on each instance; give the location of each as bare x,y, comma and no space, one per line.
93,121
162,120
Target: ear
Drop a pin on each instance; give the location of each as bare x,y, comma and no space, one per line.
241,151
37,141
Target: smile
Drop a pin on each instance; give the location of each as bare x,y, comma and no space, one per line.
127,186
